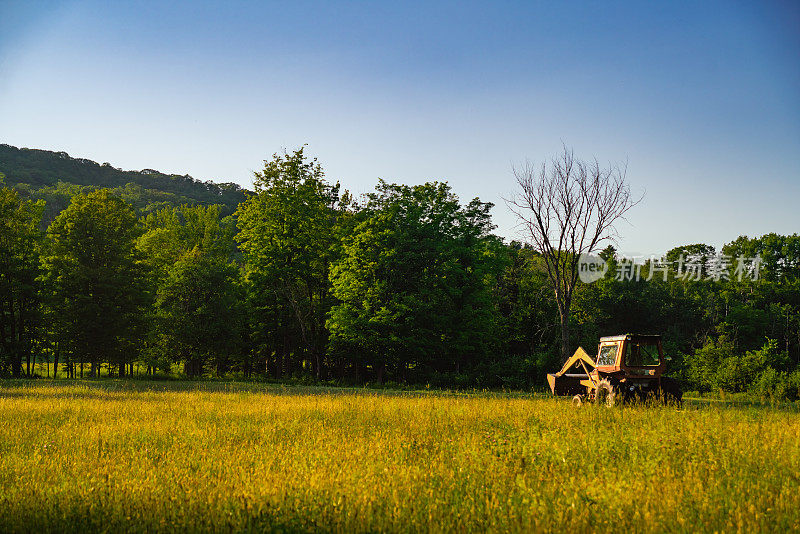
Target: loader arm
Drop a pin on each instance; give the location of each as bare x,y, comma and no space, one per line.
564,383
579,356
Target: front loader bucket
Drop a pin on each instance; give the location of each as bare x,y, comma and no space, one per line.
569,383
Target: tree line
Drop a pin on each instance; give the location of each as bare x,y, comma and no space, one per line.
406,284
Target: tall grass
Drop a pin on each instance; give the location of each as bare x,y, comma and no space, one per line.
119,456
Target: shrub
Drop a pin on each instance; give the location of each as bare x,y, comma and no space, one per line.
715,366
777,385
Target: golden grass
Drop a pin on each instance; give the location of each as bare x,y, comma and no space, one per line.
115,456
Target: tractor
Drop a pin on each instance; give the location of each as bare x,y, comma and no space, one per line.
628,368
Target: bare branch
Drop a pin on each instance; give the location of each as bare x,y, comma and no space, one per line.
568,207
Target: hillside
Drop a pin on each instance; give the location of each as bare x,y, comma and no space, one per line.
56,176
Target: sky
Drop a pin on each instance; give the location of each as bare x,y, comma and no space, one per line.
700,100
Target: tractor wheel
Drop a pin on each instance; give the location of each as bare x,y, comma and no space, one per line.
606,394
577,401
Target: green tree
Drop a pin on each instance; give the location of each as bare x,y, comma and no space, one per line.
97,280
414,281
171,235
19,270
200,314
287,236
528,332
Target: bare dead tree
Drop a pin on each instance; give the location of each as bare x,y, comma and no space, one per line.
567,207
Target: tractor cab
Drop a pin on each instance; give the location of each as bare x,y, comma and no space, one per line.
631,354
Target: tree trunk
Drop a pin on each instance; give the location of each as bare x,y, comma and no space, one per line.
16,364
564,337
188,368
246,366
381,372
10,341
285,356
193,367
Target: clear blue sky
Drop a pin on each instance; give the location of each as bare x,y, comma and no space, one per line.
701,99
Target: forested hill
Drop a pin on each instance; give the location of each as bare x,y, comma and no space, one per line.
53,175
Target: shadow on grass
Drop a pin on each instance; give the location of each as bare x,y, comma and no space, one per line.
124,389
109,389
109,514
781,405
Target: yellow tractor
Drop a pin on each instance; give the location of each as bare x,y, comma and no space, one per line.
627,368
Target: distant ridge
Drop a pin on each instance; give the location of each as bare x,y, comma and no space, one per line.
31,170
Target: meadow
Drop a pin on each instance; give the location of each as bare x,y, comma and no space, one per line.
132,456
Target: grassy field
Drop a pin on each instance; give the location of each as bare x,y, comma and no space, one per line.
136,456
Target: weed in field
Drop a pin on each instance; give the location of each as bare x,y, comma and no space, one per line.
126,457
